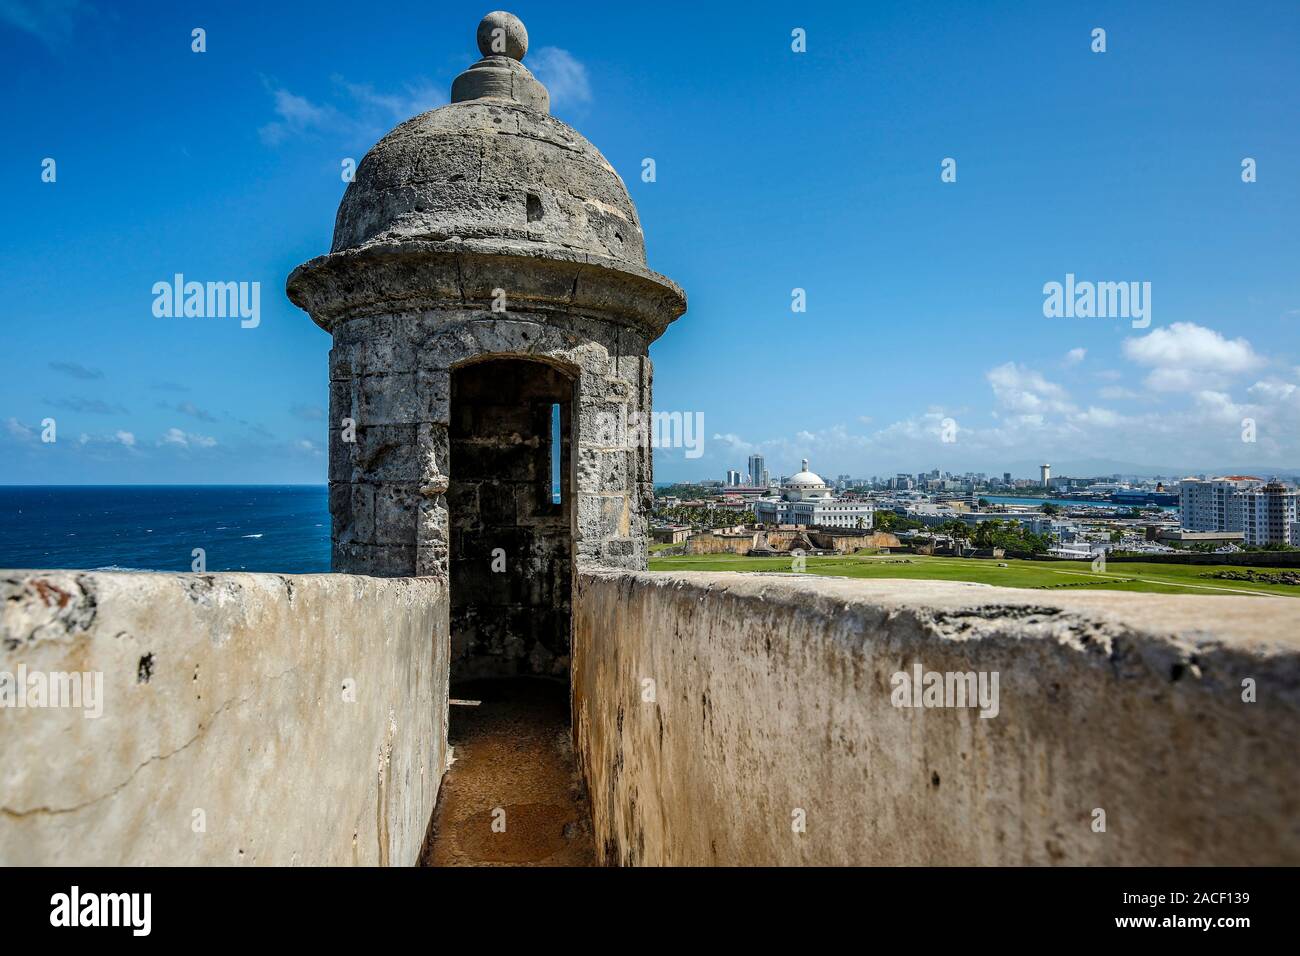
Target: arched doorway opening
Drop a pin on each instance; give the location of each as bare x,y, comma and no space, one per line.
510,503
512,794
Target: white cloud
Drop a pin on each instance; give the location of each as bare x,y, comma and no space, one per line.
562,75
415,99
1185,346
1101,417
17,429
1032,417
1219,407
1020,389
1272,391
734,443
298,115
93,443
363,116
1075,356
1116,392
184,439
1183,380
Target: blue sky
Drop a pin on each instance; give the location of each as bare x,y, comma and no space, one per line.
775,170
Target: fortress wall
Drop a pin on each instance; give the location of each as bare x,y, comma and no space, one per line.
707,543
848,543
301,719
772,695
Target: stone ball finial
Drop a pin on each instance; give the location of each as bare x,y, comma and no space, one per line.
502,34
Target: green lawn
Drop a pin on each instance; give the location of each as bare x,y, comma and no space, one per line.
1063,575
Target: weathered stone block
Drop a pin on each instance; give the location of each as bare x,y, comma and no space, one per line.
389,399
433,454
387,453
433,393
345,361
602,424
432,536
396,514
340,504
389,353
601,471
363,513
497,503
342,460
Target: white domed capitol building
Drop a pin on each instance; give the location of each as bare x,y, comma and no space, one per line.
807,500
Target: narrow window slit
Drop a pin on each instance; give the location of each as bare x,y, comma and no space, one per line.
556,447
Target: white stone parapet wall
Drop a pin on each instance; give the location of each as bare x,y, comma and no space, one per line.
246,718
771,735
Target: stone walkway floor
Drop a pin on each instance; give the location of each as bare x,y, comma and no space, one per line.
512,766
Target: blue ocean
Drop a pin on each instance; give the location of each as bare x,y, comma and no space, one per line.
284,528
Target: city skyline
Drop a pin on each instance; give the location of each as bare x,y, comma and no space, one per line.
1096,470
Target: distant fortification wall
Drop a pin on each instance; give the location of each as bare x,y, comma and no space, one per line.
736,719
245,718
847,541
709,543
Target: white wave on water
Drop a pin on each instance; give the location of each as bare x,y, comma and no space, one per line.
251,536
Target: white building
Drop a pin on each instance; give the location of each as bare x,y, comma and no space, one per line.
1214,504
807,500
1044,475
1269,514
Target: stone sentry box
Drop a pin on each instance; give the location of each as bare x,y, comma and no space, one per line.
487,231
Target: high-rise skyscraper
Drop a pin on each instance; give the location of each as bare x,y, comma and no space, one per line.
757,471
1046,472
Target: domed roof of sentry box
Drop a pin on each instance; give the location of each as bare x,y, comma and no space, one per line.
494,169
485,193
